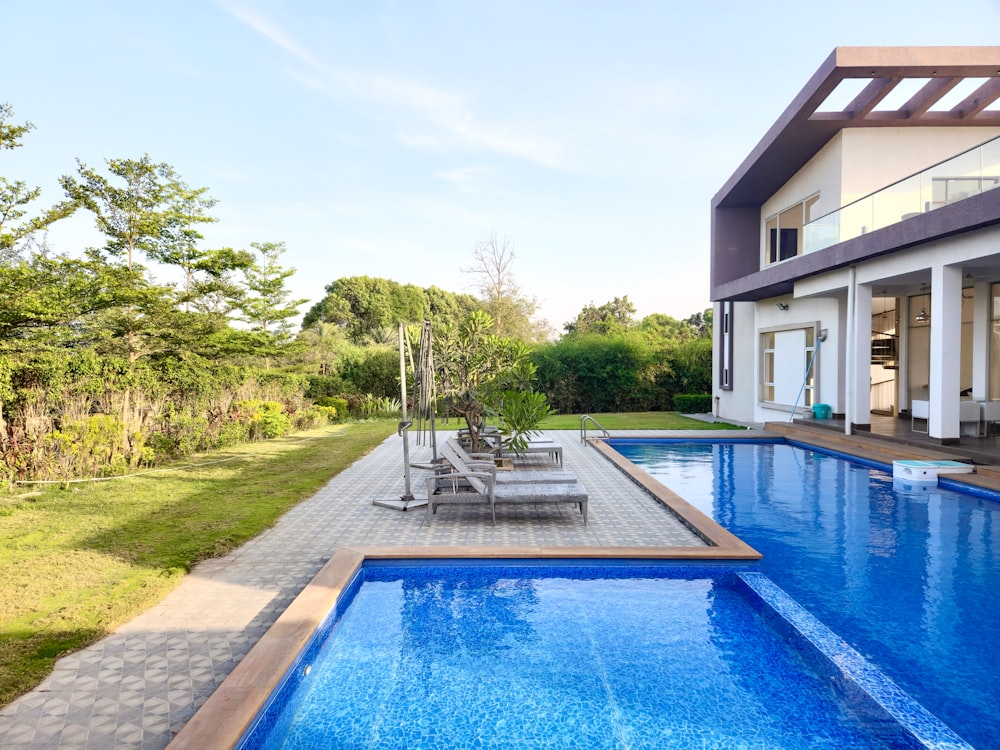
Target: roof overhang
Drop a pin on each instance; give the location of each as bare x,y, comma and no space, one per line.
802,130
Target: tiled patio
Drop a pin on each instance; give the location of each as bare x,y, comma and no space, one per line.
137,687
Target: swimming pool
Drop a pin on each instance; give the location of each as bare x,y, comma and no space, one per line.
908,577
577,654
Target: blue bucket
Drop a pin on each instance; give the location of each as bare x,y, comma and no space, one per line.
822,411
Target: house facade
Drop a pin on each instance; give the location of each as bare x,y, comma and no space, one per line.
855,257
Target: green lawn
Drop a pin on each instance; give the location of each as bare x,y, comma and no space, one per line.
77,562
647,420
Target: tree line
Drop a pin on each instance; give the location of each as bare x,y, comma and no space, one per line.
104,368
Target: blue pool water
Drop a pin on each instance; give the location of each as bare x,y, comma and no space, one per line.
910,578
568,657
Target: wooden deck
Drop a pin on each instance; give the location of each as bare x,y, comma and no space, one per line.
888,442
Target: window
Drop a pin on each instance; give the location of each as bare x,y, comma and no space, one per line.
767,369
995,342
726,348
788,372
783,230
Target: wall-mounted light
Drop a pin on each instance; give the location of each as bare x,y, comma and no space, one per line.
782,306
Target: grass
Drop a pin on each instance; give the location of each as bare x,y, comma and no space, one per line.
647,420
77,562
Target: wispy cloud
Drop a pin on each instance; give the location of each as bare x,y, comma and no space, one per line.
273,33
448,116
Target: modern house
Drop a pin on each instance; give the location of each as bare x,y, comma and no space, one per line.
856,250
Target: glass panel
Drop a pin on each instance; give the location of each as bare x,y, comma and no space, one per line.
789,224
768,367
769,340
919,366
809,207
995,292
995,360
855,220
964,175
769,393
955,179
896,203
810,335
772,239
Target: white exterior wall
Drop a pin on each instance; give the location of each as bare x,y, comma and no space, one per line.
802,313
738,404
821,175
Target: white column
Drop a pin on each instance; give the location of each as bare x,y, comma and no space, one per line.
859,407
981,341
946,351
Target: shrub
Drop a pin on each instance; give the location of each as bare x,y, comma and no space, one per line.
314,416
338,404
374,407
693,403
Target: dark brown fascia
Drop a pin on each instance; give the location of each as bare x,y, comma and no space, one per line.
966,215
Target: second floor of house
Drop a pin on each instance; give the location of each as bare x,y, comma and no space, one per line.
829,187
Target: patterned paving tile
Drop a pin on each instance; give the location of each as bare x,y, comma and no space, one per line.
137,687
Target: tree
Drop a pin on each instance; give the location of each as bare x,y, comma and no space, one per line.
480,370
369,309
615,316
16,196
136,216
267,307
187,209
52,301
660,328
493,271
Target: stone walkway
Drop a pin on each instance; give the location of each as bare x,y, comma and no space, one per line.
137,687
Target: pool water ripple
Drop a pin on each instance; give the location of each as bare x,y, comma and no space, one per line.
472,657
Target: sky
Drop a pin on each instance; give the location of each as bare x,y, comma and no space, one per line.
390,138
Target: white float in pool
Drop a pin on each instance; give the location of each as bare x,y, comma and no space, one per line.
927,471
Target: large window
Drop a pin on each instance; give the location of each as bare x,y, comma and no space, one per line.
783,231
786,378
995,343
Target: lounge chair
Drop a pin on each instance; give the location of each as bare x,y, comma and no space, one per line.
465,486
540,446
453,453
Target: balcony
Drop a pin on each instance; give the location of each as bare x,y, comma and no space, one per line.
969,173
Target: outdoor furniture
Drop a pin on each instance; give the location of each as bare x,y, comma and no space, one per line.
989,415
969,418
919,410
455,454
464,486
542,446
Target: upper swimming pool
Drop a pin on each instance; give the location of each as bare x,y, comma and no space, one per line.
909,578
581,654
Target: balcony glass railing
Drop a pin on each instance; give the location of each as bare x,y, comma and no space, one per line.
969,173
